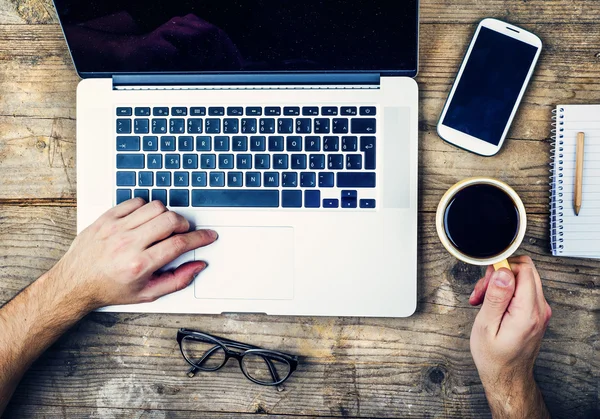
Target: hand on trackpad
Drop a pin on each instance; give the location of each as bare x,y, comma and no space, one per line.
248,263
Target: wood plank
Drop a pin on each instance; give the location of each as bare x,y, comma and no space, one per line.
420,366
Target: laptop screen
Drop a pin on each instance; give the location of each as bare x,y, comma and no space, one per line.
134,36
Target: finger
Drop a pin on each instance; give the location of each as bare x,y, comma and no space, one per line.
478,293
526,260
170,249
124,208
171,281
161,227
498,296
144,214
526,295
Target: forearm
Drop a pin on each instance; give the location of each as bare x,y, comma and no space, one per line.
30,323
521,400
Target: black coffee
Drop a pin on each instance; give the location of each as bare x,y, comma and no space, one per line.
481,221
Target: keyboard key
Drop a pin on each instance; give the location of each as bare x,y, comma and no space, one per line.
298,161
235,198
198,111
312,199
368,110
254,111
179,111
271,180
275,143
123,126
326,180
154,161
176,126
160,111
280,161
221,143
262,161
167,143
203,143
317,161
235,111
217,179
123,195
367,203
349,144
181,179
130,161
231,126
141,126
291,111
249,126
367,144
142,193
308,179
258,143
235,179
335,161
185,143
125,178
289,179
208,161
364,125
285,126
146,179
216,111
179,198
212,126
322,126
273,111
267,126
163,178
354,162
349,194
199,179
142,111
225,161
331,144
329,110
303,126
194,126
160,195
312,143
340,126
348,202
349,110
355,180
239,143
125,143
190,161
172,161
310,111
294,144
243,161
159,126
331,203
252,179
291,199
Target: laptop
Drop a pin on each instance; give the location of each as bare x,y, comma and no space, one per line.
290,128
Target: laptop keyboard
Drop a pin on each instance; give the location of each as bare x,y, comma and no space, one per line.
255,157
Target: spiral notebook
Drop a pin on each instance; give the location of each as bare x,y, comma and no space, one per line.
572,235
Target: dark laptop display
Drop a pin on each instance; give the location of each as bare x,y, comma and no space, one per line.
134,36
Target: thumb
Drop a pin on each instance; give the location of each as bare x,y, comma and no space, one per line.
172,281
497,298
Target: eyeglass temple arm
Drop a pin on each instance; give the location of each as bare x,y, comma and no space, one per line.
208,353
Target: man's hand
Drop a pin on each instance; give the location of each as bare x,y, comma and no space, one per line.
114,261
507,335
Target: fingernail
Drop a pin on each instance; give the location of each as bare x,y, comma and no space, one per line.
501,278
472,294
213,234
200,268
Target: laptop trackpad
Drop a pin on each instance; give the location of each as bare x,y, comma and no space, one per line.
248,263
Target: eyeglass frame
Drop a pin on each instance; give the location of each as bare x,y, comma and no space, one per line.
223,343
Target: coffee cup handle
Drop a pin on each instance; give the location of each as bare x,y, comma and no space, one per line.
502,264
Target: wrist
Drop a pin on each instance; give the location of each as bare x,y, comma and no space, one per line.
69,292
512,395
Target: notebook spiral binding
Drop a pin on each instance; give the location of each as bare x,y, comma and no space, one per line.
556,181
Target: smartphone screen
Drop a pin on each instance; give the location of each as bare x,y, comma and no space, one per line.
490,86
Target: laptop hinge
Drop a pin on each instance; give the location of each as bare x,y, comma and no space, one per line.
125,81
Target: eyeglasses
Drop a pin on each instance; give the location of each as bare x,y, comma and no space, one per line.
205,352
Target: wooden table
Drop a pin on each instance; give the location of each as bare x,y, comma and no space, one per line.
128,365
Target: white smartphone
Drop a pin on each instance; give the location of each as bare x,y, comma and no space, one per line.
489,87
